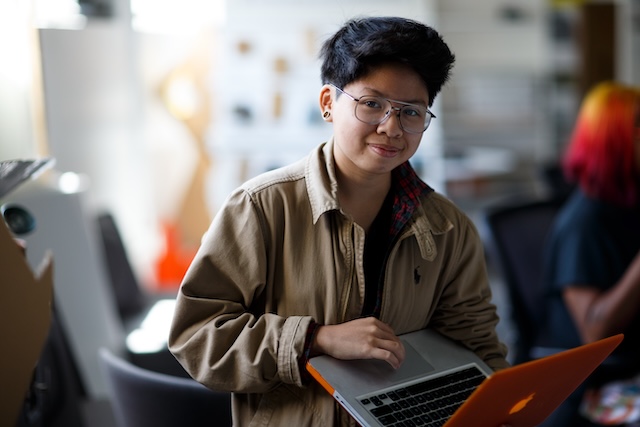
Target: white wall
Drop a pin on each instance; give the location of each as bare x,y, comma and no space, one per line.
292,31
20,91
95,123
497,96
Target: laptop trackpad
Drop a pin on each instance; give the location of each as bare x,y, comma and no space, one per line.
380,374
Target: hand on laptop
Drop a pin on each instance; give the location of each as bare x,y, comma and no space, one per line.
365,338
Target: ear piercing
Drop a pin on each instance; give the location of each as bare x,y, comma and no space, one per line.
326,115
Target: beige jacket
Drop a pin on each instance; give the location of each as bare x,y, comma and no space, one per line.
280,254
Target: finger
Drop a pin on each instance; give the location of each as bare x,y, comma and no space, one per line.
386,356
391,351
386,339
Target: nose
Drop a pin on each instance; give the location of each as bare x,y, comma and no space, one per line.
392,128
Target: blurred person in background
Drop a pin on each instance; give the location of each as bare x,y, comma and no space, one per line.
592,260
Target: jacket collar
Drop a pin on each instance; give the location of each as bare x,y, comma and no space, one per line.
322,183
322,187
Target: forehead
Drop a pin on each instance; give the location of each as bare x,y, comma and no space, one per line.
393,81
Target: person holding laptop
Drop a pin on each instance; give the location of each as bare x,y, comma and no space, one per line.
592,267
342,251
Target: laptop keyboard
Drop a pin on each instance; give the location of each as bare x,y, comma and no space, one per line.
428,404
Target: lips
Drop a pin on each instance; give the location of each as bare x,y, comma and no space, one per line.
385,150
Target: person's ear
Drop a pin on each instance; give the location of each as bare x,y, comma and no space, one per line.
326,102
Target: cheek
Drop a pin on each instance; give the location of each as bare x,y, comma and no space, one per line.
347,125
413,142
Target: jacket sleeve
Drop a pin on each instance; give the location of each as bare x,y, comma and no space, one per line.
220,332
465,311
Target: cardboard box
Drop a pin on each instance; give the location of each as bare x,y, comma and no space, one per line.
25,319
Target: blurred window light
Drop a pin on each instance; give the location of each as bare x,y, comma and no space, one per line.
176,16
153,16
153,332
60,14
15,48
71,182
182,98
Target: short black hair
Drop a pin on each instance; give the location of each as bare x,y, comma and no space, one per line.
365,43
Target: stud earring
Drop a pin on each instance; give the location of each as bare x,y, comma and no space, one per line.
326,115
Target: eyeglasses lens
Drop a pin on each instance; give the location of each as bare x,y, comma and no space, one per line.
374,110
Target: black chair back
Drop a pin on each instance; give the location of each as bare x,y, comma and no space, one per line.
144,398
129,297
519,231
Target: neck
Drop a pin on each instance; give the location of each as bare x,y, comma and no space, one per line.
362,198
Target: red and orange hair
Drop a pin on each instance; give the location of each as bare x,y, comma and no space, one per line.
601,157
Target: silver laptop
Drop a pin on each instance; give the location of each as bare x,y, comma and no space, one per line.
442,383
15,172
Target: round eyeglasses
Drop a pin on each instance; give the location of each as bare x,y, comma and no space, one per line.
374,110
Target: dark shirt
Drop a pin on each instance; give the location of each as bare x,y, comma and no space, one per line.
376,245
592,243
394,215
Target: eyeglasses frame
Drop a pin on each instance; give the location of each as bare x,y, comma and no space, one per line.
388,113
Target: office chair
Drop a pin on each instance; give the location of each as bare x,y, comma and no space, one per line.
131,299
133,302
553,178
143,398
518,232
